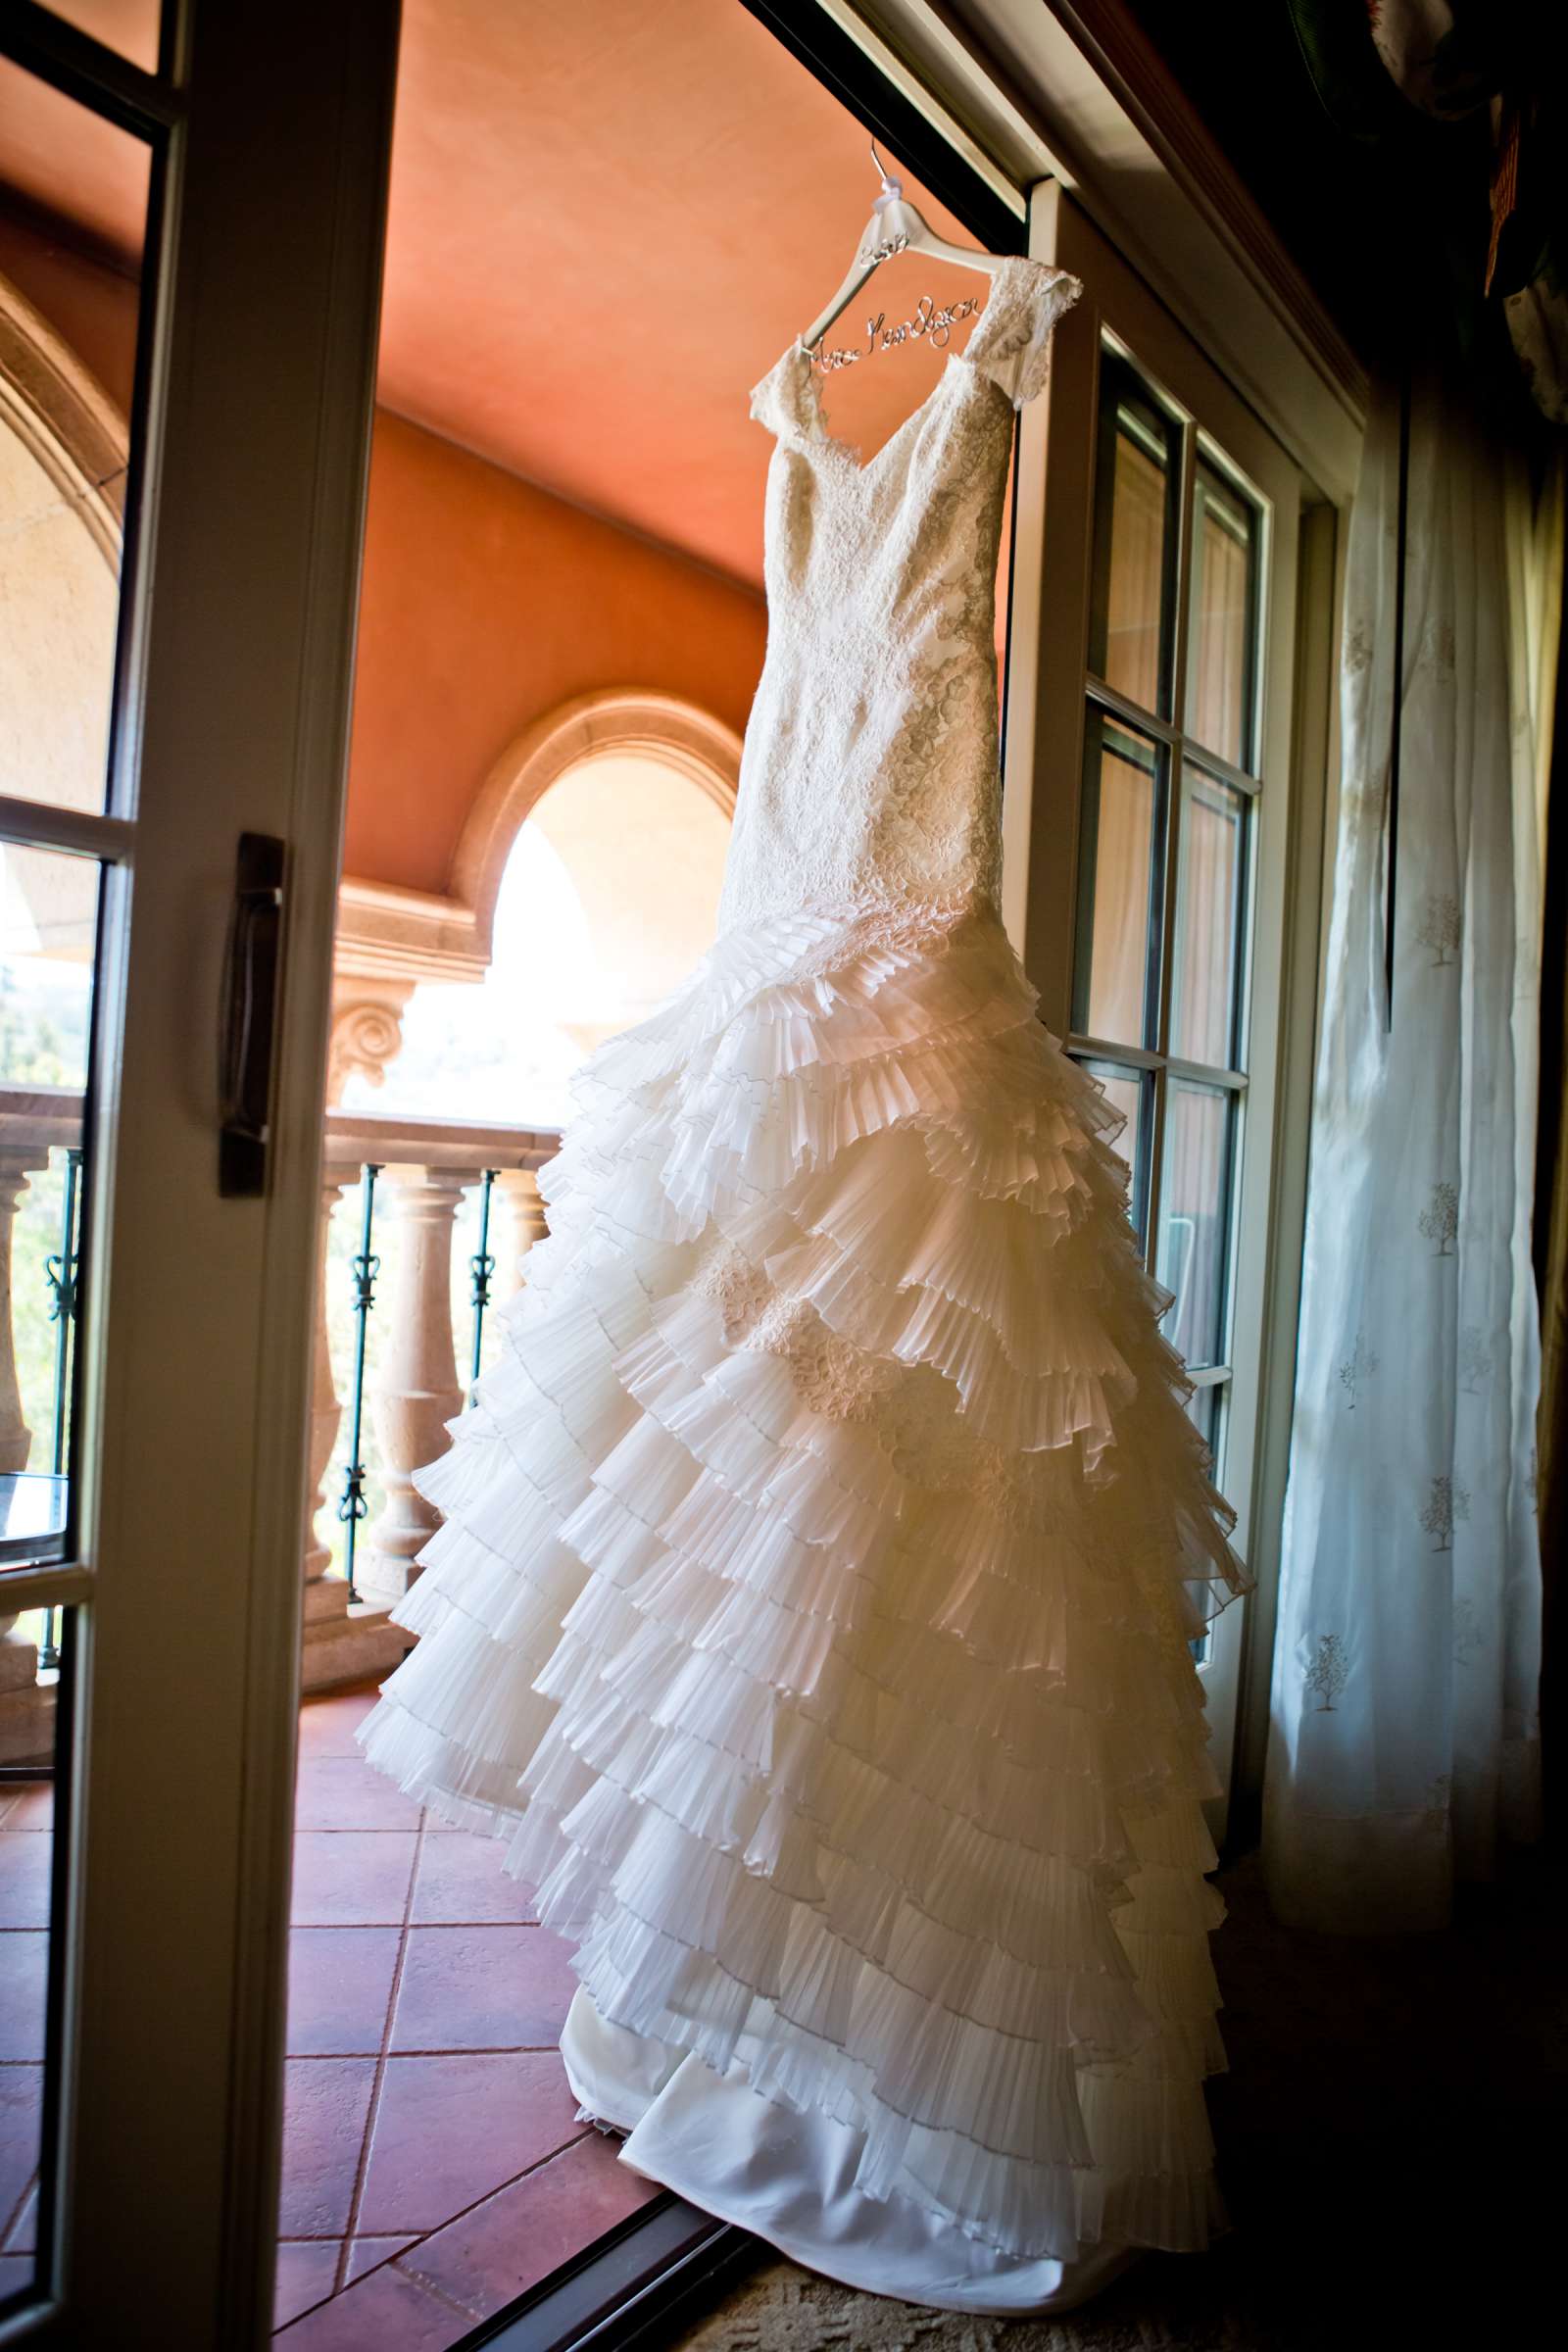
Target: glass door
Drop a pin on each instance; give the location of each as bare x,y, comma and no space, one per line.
190,225
1150,816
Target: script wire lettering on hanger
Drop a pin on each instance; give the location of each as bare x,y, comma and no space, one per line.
872,256
930,318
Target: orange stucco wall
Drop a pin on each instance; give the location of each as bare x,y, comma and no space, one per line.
486,602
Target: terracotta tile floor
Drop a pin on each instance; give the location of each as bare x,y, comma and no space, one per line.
432,2166
26,1817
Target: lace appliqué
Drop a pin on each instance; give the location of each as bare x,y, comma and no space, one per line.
833,1378
910,1409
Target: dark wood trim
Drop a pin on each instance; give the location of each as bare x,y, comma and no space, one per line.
840,63
1133,70
85,70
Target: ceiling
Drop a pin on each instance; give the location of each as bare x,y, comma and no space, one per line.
606,223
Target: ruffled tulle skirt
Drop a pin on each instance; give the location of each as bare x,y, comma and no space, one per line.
811,1614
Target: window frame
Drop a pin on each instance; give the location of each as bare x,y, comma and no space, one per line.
1043,812
1183,755
174,1790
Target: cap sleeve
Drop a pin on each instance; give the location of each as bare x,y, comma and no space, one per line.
1019,357
770,401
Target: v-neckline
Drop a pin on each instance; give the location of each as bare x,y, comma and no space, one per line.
847,453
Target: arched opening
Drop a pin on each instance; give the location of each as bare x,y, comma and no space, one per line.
62,462
62,473
607,900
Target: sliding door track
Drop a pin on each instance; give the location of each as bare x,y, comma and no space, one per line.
653,2276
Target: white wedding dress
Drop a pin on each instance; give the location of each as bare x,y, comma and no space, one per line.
811,1606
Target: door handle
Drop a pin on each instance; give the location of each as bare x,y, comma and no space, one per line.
247,1018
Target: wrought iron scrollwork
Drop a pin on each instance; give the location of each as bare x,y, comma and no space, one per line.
62,1274
366,1266
481,1266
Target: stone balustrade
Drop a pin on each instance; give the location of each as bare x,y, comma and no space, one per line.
36,1123
427,1165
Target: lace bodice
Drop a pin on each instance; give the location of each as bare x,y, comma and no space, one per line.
868,782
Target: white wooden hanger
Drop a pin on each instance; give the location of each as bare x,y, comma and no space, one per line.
895,226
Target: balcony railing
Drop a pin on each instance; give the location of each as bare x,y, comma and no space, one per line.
424,1226
440,1215
40,1130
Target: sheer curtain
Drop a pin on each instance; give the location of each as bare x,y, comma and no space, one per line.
1404,1734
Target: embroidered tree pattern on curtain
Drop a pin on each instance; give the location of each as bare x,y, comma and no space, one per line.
1404,1734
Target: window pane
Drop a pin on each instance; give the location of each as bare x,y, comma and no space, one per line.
1222,647
72,211
1211,882
1135,484
1203,1412
1206,1414
1131,1091
1120,884
1195,1218
1206,1410
48,939
129,26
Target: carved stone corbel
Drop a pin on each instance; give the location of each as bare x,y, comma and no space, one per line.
367,1031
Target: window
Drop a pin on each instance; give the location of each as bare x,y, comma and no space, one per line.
157,740
1162,860
606,903
1166,844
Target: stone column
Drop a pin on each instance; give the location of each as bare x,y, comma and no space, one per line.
26,1710
342,1644
16,1438
517,1216
27,1705
416,1390
327,1410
